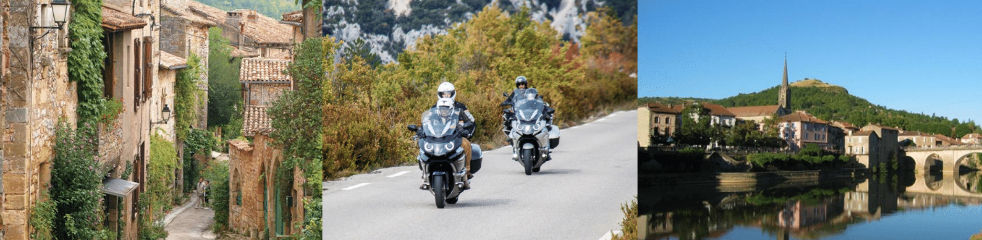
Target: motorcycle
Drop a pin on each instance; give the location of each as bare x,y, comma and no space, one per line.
531,135
441,158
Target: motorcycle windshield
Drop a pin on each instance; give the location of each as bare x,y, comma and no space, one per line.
440,122
528,107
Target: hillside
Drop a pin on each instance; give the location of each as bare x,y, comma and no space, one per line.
389,26
271,8
830,102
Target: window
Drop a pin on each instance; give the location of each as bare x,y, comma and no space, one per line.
656,119
668,120
108,76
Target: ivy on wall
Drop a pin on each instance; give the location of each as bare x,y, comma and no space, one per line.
86,60
186,96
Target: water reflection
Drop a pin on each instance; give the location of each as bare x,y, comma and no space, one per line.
799,210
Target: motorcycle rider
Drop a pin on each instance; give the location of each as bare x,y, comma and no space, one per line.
446,90
520,83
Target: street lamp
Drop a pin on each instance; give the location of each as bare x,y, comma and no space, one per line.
165,113
59,10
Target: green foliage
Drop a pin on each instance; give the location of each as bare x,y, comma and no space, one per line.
75,184
224,90
296,119
697,130
835,103
186,97
86,60
629,225
197,142
810,156
271,8
313,210
149,229
217,176
163,161
42,218
366,109
110,111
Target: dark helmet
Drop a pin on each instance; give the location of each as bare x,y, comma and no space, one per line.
520,80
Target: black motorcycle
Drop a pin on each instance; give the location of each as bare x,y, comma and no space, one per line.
529,128
441,158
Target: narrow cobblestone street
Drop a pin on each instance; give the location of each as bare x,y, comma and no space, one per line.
193,223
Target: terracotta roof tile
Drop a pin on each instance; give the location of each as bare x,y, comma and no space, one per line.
264,69
256,121
169,61
716,109
661,108
208,12
186,14
115,20
295,16
263,29
801,116
753,111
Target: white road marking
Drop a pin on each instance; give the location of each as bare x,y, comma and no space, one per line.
355,186
610,234
397,174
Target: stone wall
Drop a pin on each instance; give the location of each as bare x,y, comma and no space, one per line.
173,35
258,160
36,94
264,94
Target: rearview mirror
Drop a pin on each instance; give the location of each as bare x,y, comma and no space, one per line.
412,127
504,94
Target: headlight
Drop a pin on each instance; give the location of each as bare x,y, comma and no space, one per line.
427,146
528,127
449,146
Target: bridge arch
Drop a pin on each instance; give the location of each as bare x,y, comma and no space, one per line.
968,161
933,163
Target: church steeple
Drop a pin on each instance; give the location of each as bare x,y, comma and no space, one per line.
784,96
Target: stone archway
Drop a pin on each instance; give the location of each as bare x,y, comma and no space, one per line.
933,163
968,162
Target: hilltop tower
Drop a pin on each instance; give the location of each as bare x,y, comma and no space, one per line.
784,96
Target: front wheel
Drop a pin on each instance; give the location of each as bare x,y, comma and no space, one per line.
439,194
527,160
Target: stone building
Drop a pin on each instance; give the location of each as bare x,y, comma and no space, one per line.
972,139
719,115
263,81
163,96
873,144
800,128
184,33
919,139
35,95
132,42
251,34
271,206
274,205
658,119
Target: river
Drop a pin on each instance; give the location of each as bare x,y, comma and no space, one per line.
922,206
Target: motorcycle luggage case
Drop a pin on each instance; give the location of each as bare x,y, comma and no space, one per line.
553,136
476,158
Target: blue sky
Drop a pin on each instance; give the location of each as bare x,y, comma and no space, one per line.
919,56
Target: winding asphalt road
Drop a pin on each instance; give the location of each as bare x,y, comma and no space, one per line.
577,195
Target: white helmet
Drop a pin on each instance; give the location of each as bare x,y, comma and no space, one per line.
446,90
444,106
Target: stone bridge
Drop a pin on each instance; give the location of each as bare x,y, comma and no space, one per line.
946,159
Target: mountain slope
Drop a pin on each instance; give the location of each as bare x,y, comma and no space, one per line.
830,102
389,26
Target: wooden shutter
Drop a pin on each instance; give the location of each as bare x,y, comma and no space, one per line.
136,73
147,68
108,77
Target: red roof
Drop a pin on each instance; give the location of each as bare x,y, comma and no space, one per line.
717,110
754,111
661,108
801,116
